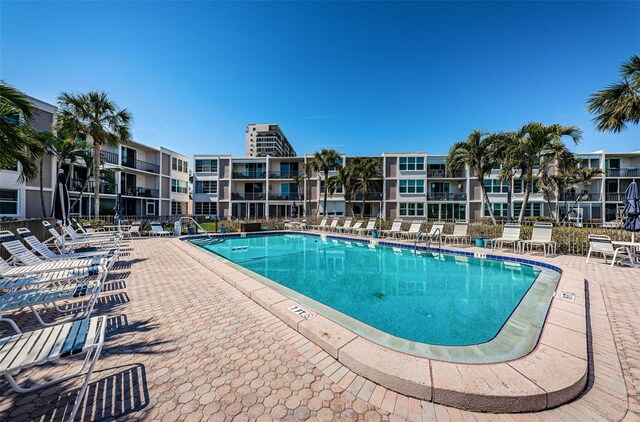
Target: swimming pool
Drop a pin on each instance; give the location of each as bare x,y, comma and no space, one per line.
413,295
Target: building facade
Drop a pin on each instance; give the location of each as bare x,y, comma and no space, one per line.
154,181
413,185
267,139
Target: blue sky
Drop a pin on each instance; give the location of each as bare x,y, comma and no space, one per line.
359,77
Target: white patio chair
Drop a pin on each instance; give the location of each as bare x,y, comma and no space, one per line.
460,234
413,232
396,227
157,230
371,225
602,244
356,226
346,225
69,245
21,255
435,233
321,226
33,295
50,344
510,234
540,236
332,226
111,255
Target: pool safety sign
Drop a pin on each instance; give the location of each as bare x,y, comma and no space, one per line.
301,312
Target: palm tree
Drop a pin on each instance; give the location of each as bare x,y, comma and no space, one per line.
475,153
18,142
93,115
555,177
619,103
538,145
345,179
322,162
366,169
66,151
505,151
581,177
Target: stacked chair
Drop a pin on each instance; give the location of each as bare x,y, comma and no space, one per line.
67,286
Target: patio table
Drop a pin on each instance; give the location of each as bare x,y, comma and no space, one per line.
122,227
631,247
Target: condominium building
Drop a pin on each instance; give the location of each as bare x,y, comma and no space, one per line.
153,181
413,185
267,139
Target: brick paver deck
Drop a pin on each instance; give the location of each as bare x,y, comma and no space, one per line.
182,344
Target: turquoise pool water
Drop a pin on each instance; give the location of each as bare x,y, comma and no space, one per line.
447,300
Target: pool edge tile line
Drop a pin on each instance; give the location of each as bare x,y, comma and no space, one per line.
486,387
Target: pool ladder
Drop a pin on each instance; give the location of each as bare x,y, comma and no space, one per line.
428,238
197,225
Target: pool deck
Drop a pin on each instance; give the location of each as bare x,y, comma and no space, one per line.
183,344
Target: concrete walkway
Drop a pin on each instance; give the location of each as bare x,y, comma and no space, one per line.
182,344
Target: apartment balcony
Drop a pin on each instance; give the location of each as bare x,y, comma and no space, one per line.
249,174
370,196
75,185
587,197
147,193
614,197
248,196
286,197
141,165
285,174
107,156
140,192
624,172
447,196
442,174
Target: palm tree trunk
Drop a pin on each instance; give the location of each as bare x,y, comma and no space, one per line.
527,193
96,178
487,201
509,198
326,191
44,208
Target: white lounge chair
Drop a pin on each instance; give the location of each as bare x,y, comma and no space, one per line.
396,227
111,255
371,225
460,234
413,232
540,236
32,295
321,226
346,225
510,234
71,245
332,226
356,226
35,348
105,237
23,256
157,230
435,232
602,244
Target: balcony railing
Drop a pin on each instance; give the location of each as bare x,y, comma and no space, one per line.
574,197
249,196
370,196
104,187
285,174
249,174
148,193
286,196
624,172
141,165
615,197
443,174
107,156
75,185
446,196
